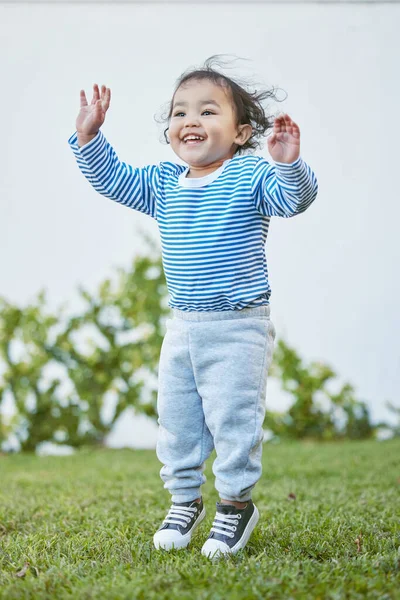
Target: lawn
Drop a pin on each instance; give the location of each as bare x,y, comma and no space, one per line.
81,527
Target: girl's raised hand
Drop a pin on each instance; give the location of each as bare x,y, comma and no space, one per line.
91,116
284,141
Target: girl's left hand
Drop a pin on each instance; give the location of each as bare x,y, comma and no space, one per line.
284,141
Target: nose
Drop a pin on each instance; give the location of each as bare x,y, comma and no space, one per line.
191,121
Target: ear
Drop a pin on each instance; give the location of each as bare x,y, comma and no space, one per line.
244,134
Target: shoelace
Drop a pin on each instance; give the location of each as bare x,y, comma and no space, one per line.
183,513
232,519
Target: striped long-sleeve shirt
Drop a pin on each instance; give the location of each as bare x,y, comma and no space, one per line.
213,229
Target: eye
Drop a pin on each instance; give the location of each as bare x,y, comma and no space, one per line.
178,114
207,111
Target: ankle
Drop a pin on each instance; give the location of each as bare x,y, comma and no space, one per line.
235,504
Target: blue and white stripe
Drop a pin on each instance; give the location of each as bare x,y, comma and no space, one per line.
213,229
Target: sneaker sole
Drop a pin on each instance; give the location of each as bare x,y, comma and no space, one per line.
184,541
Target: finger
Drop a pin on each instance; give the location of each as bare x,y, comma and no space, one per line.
278,124
288,123
96,94
83,99
289,120
98,106
106,98
296,129
292,127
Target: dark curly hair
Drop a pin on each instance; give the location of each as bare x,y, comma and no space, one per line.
248,104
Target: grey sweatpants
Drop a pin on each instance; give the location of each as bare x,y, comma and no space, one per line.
212,383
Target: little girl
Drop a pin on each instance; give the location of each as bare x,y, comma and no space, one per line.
213,215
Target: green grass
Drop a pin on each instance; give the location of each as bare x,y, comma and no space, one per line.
84,523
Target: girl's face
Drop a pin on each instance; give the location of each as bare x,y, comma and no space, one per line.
202,129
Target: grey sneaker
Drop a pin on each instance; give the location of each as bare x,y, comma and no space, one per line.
231,529
178,526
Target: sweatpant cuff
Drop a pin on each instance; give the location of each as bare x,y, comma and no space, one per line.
186,496
244,498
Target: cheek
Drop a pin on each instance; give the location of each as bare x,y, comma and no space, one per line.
215,131
173,131
222,137
220,131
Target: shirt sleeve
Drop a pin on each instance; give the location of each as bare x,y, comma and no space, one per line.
283,190
132,187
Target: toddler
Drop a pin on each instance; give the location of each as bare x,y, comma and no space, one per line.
213,214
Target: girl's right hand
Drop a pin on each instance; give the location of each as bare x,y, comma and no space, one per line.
91,116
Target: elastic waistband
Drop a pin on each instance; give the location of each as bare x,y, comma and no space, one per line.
219,315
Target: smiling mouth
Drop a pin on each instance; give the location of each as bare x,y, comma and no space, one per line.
193,140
